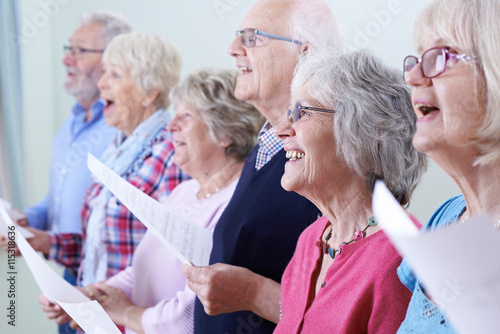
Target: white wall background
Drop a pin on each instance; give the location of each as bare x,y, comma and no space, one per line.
202,30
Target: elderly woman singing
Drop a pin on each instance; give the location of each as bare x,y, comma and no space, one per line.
456,98
139,71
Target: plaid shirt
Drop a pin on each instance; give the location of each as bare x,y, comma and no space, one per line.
156,176
269,145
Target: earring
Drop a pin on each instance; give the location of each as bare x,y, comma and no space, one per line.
145,104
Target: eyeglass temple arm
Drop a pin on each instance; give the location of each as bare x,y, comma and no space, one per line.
258,32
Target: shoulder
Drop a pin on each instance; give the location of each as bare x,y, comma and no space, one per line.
446,213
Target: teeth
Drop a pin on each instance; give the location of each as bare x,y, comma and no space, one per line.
245,69
294,155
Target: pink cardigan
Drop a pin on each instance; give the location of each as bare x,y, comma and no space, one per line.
362,294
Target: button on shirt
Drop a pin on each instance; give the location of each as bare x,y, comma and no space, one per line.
60,210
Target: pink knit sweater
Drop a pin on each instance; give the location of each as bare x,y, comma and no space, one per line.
362,294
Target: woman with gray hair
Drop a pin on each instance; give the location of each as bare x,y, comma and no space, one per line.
139,71
213,132
351,123
456,99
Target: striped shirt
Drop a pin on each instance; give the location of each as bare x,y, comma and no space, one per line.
155,175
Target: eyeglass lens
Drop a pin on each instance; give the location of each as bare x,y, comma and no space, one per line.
433,62
249,37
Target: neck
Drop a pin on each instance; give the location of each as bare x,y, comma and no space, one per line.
219,180
348,209
273,111
479,184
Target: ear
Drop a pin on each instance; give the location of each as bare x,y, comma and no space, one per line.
306,48
224,143
150,98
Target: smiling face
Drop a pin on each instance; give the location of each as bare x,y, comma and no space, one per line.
124,108
266,70
449,107
84,71
310,145
195,150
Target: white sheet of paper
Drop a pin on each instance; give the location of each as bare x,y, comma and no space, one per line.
188,241
89,315
13,215
458,265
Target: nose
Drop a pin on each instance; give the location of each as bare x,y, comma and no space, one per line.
236,47
102,83
69,59
416,77
173,125
285,129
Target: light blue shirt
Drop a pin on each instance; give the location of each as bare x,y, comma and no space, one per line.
423,315
60,210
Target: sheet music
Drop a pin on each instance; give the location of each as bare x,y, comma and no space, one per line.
89,315
188,241
13,215
458,265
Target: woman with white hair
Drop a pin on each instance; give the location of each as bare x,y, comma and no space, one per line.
456,98
139,71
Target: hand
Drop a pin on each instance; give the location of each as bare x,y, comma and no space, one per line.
223,288
19,217
10,249
53,311
113,300
41,240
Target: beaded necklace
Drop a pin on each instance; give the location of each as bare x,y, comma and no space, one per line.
358,235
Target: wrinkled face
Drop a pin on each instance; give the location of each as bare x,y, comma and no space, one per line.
83,72
124,108
449,107
310,146
194,148
266,70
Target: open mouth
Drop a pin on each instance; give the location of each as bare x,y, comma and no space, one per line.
426,109
109,104
294,155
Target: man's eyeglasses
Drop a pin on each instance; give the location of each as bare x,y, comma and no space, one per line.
299,111
433,62
78,52
249,36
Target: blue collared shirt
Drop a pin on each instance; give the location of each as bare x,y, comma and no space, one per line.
60,210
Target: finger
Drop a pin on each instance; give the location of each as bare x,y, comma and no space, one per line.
62,319
74,325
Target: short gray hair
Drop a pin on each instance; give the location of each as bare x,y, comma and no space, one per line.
472,26
312,21
374,118
212,95
113,24
154,62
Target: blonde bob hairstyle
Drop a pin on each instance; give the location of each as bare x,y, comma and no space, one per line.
211,95
154,63
472,27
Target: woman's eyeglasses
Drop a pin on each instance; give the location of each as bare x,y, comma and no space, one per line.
433,61
298,111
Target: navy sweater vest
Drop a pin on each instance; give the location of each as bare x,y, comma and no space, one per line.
258,230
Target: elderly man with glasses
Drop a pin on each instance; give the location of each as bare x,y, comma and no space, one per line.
84,131
256,236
